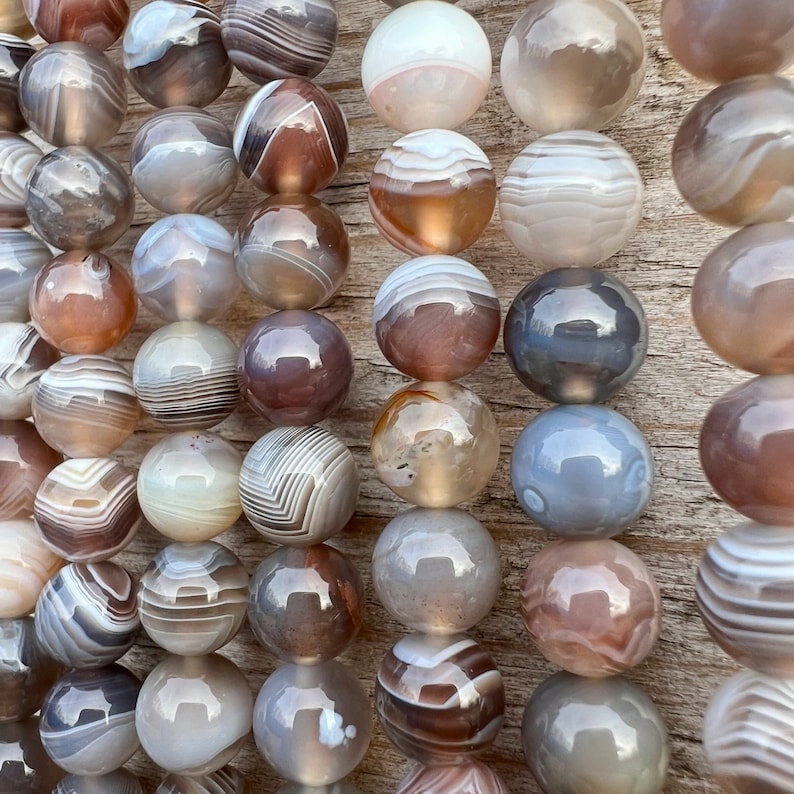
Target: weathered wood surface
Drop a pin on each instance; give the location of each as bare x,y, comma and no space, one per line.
667,401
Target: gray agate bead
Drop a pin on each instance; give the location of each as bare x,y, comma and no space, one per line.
119,781
21,256
582,471
583,735
226,780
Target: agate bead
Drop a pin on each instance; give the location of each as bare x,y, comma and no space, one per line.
582,735
436,571
188,486
83,302
299,485
21,256
24,766
582,471
573,64
226,780
721,40
120,781
436,317
306,604
17,158
14,20
312,723
471,777
432,192
274,39
440,700
435,444
426,65
24,357
745,448
730,152
290,137
295,367
87,614
181,160
72,94
193,713
192,597
173,53
292,252
184,376
14,54
88,720
575,335
79,198
571,199
97,23
740,299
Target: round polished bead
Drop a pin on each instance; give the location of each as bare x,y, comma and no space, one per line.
332,710
471,777
192,597
581,735
14,20
98,23
120,781
728,150
432,192
79,198
436,317
427,64
573,64
173,53
435,444
306,604
292,252
83,302
571,199
436,571
591,606
290,137
26,768
745,448
721,40
226,780
440,700
14,54
575,335
21,256
582,471
188,486
295,367
194,713
17,158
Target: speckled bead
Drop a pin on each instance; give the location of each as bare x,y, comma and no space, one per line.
14,54
471,777
21,256
26,768
120,781
226,780
98,23
17,158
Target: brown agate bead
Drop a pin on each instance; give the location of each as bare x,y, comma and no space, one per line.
97,23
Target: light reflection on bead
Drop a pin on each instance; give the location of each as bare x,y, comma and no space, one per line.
21,256
14,54
97,23
17,158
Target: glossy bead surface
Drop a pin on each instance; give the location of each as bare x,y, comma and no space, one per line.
471,777
182,160
591,606
14,54
571,199
440,700
436,571
192,597
271,40
290,137
292,252
78,198
184,376
312,723
72,94
728,150
426,65
720,41
88,720
436,317
299,485
226,780
24,357
306,604
21,256
87,510
188,486
745,445
582,471
573,64
97,23
14,20
183,269
432,192
17,158
739,301
173,53
194,713
120,781
591,735
295,367
24,766
83,302
435,444
575,335
26,565
87,614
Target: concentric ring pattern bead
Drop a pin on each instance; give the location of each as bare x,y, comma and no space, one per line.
226,780
21,256
17,158
471,776
24,358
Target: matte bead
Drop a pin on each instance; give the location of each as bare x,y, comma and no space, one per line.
471,777
120,781
21,256
17,158
226,780
14,54
25,768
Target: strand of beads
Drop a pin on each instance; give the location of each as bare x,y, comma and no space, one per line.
724,163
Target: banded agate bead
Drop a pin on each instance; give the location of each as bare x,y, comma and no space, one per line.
226,780
25,766
14,54
21,256
24,358
97,23
18,156
120,781
471,776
